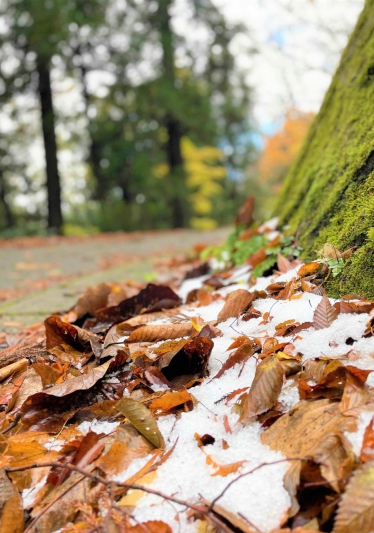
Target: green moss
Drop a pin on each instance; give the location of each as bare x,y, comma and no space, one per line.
329,193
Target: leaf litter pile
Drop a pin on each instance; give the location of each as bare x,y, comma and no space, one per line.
220,403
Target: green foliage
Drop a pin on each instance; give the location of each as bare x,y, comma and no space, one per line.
235,251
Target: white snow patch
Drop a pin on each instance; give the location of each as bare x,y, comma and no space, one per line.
29,495
97,426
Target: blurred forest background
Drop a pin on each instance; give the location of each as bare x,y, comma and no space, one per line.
139,114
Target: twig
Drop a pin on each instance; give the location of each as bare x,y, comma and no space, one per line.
206,510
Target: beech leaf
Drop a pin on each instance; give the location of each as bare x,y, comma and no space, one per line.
169,400
152,526
264,390
356,510
237,301
160,332
325,314
140,416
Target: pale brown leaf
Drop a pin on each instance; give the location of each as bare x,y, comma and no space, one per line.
7,371
356,510
160,332
12,519
237,301
325,314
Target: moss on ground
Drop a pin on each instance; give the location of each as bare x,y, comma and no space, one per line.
329,192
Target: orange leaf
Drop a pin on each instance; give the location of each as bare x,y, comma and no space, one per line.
309,268
169,400
226,424
367,450
152,526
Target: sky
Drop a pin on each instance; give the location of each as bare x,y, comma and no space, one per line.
299,45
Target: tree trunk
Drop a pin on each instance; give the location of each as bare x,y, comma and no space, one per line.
48,126
329,192
8,215
178,197
94,148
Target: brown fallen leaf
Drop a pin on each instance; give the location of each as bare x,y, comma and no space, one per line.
59,332
243,353
264,390
356,307
245,214
160,332
367,449
356,509
325,314
192,360
237,301
12,519
312,430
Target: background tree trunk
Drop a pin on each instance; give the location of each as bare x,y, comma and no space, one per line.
329,192
8,215
48,126
172,123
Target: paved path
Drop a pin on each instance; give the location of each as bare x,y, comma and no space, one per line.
51,275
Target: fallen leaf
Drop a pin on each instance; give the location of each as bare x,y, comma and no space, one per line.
191,360
152,526
312,430
241,354
245,214
237,301
12,519
264,390
140,416
325,314
367,449
59,332
356,509
169,400
160,332
308,269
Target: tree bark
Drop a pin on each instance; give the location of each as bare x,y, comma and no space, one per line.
55,220
8,215
329,192
173,125
94,148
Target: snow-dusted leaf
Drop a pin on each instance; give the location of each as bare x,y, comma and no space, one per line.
160,332
356,307
237,301
242,354
141,417
356,510
264,390
325,314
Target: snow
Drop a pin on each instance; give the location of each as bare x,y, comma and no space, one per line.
29,495
97,426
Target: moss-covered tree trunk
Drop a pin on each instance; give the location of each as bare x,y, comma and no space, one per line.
329,193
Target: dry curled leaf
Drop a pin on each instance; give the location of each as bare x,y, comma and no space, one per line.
264,390
325,314
356,510
312,430
141,417
160,332
237,301
308,269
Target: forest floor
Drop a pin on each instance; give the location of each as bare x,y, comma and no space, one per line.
44,275
213,400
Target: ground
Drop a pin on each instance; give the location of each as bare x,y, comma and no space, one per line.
42,276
